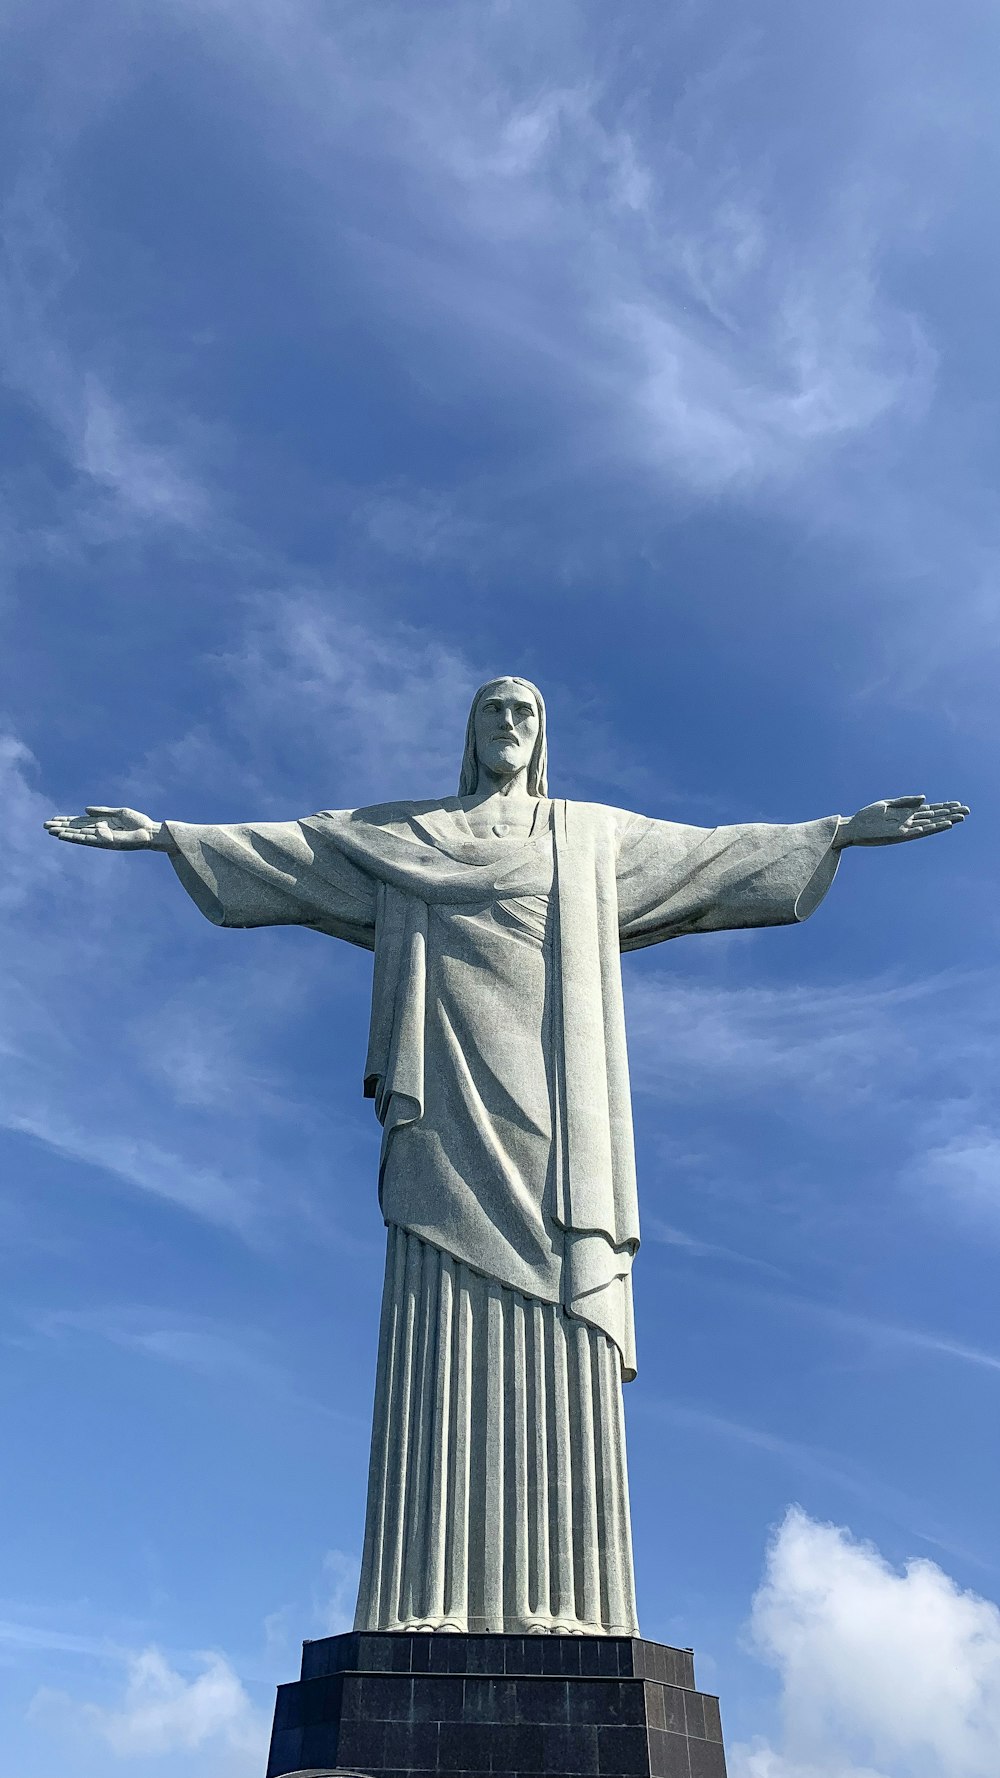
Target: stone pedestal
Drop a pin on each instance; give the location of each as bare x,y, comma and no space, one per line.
393,1705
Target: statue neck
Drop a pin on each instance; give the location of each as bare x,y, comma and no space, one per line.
501,803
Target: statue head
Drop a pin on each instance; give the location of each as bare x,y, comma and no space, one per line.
505,734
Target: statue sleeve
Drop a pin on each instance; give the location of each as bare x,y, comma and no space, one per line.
674,879
274,873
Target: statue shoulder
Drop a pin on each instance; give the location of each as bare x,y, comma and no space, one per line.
600,822
395,814
598,814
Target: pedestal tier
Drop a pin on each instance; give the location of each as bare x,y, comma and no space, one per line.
394,1705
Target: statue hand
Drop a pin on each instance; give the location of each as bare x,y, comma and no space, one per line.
898,818
117,830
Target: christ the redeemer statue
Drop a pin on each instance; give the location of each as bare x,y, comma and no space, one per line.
498,1492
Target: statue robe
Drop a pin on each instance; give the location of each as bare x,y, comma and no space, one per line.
498,1067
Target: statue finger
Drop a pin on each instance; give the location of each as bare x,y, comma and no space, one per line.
103,809
905,802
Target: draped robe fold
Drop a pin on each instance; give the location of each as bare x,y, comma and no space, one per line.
498,1068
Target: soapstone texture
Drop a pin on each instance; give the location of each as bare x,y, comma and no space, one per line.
498,1493
497,1055
498,1068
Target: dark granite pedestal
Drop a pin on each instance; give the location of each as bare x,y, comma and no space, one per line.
394,1705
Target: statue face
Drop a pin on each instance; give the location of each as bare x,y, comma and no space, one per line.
506,725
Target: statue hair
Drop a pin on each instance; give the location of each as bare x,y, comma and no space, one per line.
537,777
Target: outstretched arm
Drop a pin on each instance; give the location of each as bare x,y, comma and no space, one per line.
259,873
898,818
674,880
115,830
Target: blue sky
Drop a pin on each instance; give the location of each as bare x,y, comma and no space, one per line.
351,355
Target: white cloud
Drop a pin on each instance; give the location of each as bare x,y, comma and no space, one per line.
884,1674
337,1594
163,1712
761,1761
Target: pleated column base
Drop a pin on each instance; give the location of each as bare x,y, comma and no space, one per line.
498,1490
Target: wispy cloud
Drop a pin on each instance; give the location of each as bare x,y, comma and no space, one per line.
218,1352
143,1108
806,1459
843,1040
964,1170
107,436
875,1059
631,260
27,866
193,1343
634,258
628,259
33,1638
325,697
372,709
140,1163
886,1336
833,1469
654,1229
874,1334
337,1594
